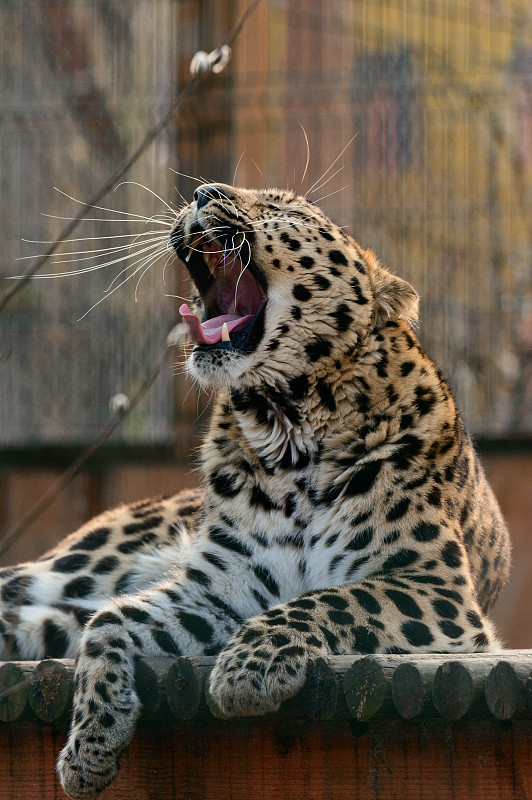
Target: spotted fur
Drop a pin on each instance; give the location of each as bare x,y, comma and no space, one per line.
344,507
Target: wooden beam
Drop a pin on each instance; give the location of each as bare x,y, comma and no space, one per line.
424,686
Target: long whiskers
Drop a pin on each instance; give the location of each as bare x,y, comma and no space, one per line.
308,155
144,263
157,219
111,210
243,267
91,238
184,175
158,244
336,191
137,251
141,185
325,182
237,166
338,157
178,297
63,258
260,171
154,254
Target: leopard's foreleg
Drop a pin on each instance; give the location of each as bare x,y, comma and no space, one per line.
265,661
186,615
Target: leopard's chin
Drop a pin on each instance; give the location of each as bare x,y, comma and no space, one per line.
220,365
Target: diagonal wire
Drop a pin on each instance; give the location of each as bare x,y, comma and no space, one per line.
109,184
175,338
5,355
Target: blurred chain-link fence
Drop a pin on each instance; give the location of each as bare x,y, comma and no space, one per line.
438,180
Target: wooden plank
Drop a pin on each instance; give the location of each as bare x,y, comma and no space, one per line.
126,483
266,760
510,476
23,488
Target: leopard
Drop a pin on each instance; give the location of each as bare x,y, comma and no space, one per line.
343,507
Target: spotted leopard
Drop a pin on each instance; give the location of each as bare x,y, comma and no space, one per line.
344,508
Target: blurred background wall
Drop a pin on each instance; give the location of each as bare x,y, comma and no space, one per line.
437,179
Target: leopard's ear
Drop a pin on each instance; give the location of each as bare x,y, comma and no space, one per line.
394,297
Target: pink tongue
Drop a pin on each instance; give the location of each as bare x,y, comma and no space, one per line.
210,332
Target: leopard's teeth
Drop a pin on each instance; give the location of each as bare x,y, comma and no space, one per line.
225,333
211,259
187,257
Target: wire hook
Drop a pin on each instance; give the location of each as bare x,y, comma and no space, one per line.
216,61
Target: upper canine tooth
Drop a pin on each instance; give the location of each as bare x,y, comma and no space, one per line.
187,257
211,260
225,333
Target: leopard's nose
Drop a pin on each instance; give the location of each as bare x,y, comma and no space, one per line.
204,194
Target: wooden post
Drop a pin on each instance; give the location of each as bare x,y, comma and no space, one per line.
50,690
14,681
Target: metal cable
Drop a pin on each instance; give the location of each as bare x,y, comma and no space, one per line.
215,62
174,339
111,182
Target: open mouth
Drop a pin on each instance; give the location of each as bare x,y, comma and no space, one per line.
231,288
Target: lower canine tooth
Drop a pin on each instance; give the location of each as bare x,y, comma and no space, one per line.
225,333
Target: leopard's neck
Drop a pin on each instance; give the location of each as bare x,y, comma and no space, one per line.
367,398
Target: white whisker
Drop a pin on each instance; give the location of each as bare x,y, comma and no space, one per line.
338,157
184,175
244,268
140,261
185,398
237,166
93,238
331,194
199,415
261,172
103,208
133,218
171,259
62,258
147,259
141,185
321,185
178,297
94,267
185,202
148,267
308,155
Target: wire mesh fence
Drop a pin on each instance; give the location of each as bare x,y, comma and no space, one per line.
437,179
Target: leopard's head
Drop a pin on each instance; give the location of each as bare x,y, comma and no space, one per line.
278,287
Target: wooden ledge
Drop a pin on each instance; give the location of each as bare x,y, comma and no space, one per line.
371,727
360,688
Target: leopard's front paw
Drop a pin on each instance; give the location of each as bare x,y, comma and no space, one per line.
255,672
100,732
85,772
